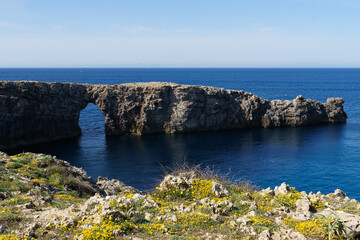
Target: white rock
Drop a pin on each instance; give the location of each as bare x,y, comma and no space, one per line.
265,235
223,207
288,234
251,214
242,220
181,182
216,217
303,205
303,194
279,220
204,201
267,191
148,216
339,193
351,221
282,189
353,201
219,190
169,217
149,203
137,197
253,206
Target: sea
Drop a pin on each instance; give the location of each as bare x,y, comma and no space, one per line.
315,158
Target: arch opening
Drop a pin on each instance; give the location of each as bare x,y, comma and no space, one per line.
92,121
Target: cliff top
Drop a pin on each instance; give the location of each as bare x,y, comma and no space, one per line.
42,197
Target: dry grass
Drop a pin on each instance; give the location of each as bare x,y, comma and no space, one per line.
208,173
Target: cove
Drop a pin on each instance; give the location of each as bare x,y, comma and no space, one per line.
330,160
305,157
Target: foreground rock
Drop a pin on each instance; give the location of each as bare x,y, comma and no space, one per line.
350,222
35,112
47,198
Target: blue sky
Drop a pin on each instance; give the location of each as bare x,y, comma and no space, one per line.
196,33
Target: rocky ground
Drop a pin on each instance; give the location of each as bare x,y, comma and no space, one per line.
42,197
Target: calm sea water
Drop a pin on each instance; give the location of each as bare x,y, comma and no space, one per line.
310,158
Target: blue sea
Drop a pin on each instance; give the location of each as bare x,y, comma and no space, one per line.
316,158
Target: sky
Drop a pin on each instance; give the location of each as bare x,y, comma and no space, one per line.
186,33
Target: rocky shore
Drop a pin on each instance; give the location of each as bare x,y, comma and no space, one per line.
38,112
42,197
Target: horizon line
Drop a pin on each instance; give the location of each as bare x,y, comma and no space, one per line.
144,67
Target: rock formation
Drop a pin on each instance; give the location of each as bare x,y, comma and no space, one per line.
42,197
35,112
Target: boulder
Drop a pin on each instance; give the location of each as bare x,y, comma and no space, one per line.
219,190
339,193
265,235
181,181
114,186
223,207
303,206
282,189
267,191
351,222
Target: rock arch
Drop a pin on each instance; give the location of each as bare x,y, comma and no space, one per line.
36,112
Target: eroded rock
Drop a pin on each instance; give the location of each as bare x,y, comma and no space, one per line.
114,186
339,193
219,190
27,108
350,221
182,181
289,234
282,189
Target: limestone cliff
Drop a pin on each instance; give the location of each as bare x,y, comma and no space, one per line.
34,112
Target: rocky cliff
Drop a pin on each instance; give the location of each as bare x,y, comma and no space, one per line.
35,112
42,197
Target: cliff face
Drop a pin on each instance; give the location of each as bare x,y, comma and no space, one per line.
34,112
147,108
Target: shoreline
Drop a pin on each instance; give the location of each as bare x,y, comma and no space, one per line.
48,198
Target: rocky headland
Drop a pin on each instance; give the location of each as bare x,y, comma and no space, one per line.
38,112
42,197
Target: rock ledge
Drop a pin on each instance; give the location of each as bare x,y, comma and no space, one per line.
42,197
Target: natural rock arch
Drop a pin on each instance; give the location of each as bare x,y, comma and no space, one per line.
35,112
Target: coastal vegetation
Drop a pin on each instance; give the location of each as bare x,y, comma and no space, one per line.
42,197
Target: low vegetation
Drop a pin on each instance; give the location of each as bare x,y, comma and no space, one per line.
42,197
